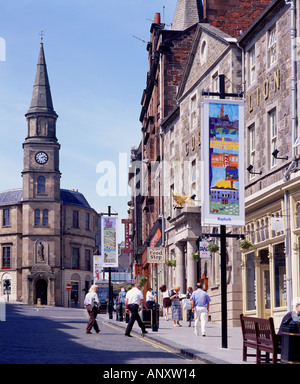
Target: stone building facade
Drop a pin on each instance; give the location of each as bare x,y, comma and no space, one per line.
200,46
271,268
47,234
213,53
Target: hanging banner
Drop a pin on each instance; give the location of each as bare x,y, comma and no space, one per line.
97,269
127,248
222,151
109,246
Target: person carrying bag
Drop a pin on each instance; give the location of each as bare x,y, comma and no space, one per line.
91,302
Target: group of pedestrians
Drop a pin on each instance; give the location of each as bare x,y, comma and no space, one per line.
134,298
199,306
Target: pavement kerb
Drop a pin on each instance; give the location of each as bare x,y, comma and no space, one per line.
183,351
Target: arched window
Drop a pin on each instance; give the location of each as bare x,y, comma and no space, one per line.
41,184
45,217
37,217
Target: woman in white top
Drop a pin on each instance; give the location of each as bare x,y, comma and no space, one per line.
91,302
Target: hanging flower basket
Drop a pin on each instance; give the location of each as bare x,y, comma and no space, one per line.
245,244
143,281
213,248
171,263
195,256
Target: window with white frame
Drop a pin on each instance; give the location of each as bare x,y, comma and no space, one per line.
251,147
193,176
203,52
272,46
215,82
252,73
172,144
273,134
193,112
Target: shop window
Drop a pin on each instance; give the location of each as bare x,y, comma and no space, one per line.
250,282
252,233
267,228
263,230
280,275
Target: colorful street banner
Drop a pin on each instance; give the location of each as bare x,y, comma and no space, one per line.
97,269
109,246
222,152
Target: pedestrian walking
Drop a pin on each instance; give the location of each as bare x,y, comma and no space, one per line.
166,300
190,314
200,306
122,296
134,298
176,307
91,302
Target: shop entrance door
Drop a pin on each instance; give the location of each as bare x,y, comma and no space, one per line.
266,292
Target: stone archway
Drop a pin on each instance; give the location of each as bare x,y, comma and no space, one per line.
41,287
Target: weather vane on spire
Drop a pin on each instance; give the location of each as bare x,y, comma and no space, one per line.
42,34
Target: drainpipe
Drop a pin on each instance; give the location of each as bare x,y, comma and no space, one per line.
161,158
293,166
161,166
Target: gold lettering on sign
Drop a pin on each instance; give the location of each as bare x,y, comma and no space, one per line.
266,89
186,148
250,103
276,80
193,143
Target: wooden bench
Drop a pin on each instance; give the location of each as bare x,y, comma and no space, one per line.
259,334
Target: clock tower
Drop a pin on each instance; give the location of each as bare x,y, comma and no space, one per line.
41,202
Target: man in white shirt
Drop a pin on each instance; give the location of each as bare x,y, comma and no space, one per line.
134,298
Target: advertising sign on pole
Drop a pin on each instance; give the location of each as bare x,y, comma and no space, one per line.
222,138
203,250
109,246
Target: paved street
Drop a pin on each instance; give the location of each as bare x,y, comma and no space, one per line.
32,335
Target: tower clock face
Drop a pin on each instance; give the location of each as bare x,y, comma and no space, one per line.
41,157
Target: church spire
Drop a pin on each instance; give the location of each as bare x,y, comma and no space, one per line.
41,117
41,100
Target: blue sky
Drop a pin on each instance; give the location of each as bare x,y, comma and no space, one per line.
97,71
